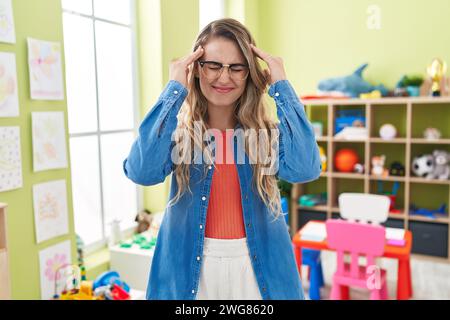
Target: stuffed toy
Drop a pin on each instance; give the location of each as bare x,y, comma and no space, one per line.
441,169
352,85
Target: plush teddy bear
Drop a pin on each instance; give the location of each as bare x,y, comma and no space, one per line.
441,169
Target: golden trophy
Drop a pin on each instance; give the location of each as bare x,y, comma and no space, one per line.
436,71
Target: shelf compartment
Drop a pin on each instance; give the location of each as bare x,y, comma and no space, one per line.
359,148
424,116
394,114
393,153
345,185
319,113
387,186
437,196
429,238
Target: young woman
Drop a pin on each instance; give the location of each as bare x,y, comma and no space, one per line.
223,235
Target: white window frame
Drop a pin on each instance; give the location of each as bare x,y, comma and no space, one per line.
95,246
210,10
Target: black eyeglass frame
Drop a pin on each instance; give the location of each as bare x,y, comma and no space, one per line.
222,65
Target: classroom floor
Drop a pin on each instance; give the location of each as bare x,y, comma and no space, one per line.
431,279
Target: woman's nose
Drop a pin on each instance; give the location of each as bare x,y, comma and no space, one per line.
224,75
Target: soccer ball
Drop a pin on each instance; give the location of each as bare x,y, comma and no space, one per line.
423,165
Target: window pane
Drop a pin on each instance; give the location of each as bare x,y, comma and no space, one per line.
80,73
86,188
81,6
115,79
114,10
119,193
211,10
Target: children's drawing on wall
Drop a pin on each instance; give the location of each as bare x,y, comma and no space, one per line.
9,101
49,142
7,33
52,261
50,210
46,80
10,159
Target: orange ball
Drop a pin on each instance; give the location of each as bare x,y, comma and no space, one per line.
345,160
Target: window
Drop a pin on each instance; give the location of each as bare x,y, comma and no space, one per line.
211,10
101,83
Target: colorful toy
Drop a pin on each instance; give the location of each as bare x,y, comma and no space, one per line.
375,94
392,195
323,159
352,85
349,118
378,168
358,168
441,168
311,200
423,165
414,210
388,131
109,286
432,134
397,169
345,160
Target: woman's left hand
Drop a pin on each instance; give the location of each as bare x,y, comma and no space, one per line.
276,69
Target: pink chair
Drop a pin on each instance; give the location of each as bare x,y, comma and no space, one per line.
358,239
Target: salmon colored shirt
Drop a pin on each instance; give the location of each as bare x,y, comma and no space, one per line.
224,219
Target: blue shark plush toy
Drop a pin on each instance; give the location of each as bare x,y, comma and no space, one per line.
352,85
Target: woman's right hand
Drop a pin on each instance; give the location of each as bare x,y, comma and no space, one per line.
179,68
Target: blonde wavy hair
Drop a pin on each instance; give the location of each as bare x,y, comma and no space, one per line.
250,112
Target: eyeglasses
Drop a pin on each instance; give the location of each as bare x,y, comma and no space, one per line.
212,70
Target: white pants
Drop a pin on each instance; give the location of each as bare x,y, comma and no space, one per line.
226,272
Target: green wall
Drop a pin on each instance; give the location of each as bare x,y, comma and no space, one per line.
40,19
324,38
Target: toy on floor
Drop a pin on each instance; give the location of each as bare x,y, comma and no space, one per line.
345,160
352,85
109,286
311,200
432,134
392,195
414,210
378,168
323,159
397,169
388,131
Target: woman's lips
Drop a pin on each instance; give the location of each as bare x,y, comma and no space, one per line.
222,89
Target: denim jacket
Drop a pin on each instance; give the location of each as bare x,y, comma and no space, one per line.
177,260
